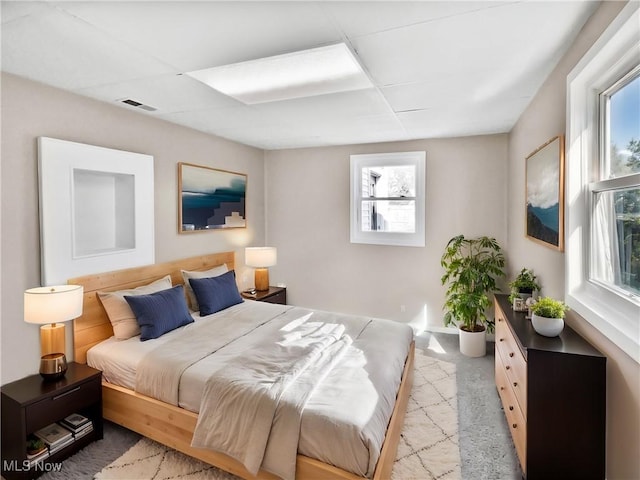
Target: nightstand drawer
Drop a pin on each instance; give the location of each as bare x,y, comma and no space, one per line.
279,298
39,414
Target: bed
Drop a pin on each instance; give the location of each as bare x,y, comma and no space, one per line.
174,425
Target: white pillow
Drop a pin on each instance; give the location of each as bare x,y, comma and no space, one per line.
186,275
119,312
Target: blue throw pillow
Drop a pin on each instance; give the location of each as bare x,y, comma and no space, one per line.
160,312
216,293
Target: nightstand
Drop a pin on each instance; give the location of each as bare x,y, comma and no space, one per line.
273,295
31,403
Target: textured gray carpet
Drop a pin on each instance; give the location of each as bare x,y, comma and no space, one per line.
486,448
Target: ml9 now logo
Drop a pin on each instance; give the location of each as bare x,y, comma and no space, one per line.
27,466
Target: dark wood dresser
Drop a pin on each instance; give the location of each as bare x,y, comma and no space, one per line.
553,391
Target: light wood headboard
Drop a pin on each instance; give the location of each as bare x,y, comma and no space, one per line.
94,326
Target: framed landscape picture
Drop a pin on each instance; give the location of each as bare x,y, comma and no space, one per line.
210,199
545,194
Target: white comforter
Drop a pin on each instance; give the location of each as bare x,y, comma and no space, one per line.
345,414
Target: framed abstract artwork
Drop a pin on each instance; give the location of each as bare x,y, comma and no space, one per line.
545,194
210,199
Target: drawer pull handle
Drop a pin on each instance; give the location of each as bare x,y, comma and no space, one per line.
501,388
515,384
66,393
515,425
511,407
502,339
508,367
511,354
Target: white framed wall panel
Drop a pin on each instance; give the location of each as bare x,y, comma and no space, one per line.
96,209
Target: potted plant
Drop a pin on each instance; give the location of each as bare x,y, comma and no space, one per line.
472,266
547,316
523,285
34,446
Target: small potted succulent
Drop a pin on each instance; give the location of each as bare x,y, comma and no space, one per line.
548,316
35,446
524,285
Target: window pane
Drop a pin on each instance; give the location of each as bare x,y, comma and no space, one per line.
397,216
616,239
624,130
389,181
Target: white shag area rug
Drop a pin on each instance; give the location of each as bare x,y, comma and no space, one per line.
428,448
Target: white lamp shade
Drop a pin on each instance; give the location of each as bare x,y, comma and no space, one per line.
260,257
53,304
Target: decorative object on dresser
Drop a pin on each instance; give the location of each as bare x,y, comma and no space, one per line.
523,286
553,391
545,194
547,316
261,258
471,269
210,199
34,414
271,295
49,307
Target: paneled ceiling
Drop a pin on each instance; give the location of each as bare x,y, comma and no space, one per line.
439,68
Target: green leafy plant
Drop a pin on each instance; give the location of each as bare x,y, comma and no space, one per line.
525,282
549,308
34,444
472,267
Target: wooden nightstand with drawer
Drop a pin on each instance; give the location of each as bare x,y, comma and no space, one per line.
273,295
32,403
553,391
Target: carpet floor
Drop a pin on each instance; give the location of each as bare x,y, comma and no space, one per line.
485,447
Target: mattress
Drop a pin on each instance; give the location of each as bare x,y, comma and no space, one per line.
345,419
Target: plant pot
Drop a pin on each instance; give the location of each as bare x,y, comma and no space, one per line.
473,344
548,327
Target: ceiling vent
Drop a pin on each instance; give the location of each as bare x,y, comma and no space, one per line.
135,104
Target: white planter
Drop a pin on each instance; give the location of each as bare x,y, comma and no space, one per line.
548,327
473,344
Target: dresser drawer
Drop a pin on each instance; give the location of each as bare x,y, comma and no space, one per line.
513,413
63,403
514,363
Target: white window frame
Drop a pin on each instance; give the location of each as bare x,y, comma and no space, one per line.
358,162
613,55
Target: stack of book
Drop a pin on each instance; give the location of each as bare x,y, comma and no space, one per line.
78,425
55,437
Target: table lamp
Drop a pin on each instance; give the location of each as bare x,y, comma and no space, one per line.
49,306
261,258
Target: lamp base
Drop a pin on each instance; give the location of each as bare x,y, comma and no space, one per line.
53,366
262,279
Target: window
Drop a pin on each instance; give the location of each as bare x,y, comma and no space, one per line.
603,184
387,198
615,195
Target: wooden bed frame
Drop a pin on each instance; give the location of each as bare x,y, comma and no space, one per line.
174,426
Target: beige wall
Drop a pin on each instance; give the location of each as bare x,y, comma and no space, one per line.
30,110
308,220
545,118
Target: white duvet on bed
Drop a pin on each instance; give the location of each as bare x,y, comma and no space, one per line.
344,420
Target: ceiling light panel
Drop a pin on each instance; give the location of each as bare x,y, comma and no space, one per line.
305,73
